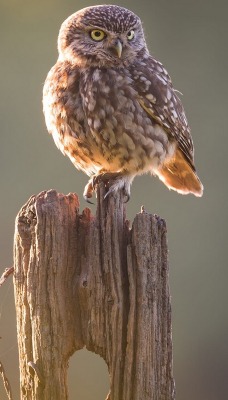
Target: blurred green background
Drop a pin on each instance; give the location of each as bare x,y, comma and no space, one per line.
190,38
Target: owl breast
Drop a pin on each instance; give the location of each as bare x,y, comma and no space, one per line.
104,127
123,135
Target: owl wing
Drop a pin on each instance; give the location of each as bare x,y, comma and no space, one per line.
159,99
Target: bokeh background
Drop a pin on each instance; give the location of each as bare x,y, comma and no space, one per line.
190,38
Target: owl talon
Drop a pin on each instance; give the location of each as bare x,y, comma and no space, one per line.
116,182
113,191
107,194
88,192
87,200
127,197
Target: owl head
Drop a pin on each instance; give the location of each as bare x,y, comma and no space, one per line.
106,35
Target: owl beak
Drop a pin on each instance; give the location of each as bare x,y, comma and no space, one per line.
118,47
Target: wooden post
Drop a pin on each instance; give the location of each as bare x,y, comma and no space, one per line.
92,281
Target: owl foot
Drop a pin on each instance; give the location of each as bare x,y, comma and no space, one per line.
115,186
114,181
88,191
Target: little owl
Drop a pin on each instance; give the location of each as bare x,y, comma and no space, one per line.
111,106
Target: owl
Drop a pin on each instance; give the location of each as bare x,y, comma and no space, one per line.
111,106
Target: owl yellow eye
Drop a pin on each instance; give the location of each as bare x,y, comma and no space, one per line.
97,35
131,35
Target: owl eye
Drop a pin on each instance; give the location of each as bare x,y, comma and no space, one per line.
131,35
97,35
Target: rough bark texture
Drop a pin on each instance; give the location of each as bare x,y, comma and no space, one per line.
92,281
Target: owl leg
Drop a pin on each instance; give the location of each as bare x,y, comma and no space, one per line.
91,186
114,181
88,191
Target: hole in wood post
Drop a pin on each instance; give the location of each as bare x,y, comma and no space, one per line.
88,377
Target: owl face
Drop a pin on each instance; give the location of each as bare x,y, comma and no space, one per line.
101,36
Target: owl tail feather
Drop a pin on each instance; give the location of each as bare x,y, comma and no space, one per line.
176,173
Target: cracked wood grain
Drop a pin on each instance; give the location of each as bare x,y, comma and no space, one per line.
94,281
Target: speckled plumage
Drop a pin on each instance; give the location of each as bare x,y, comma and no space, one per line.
111,106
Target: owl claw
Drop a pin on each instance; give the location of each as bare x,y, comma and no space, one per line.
127,195
88,192
114,182
108,193
87,199
91,187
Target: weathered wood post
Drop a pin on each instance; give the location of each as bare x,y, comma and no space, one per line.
92,281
